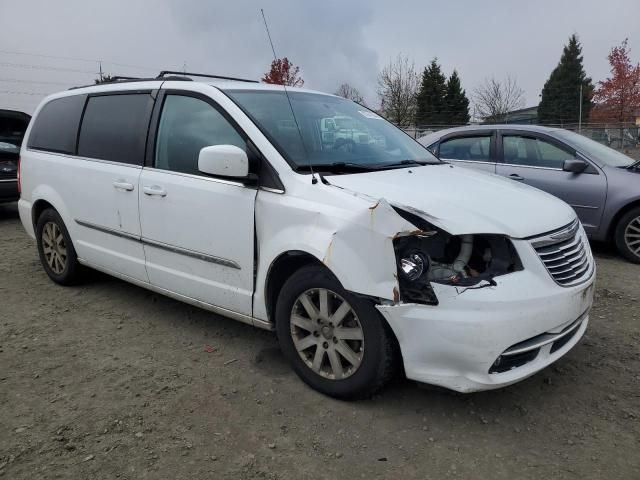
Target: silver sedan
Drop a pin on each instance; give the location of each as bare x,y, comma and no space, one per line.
601,184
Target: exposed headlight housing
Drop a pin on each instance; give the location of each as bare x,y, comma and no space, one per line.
431,255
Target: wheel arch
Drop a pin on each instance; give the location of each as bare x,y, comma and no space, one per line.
619,214
284,265
43,197
281,268
38,207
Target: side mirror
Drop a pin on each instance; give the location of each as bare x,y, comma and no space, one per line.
574,165
224,161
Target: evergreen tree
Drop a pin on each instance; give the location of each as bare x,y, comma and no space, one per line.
560,102
456,102
431,108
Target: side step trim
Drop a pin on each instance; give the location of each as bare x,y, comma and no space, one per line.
241,317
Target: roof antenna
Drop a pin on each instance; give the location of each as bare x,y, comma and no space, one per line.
314,180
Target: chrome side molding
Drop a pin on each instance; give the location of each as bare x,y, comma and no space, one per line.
170,248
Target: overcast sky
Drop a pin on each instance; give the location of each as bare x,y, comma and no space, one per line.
333,41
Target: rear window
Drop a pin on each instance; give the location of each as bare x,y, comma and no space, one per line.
12,127
114,127
467,148
55,129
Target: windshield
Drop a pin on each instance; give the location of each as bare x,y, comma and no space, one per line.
335,131
595,150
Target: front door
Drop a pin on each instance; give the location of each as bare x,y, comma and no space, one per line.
197,230
538,161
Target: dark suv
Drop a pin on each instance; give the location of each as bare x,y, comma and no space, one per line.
13,124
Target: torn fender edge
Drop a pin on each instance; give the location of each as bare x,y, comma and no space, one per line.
365,244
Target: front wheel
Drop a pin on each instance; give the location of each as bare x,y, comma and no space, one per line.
336,342
627,235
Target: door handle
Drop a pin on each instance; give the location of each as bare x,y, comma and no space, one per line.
515,176
122,185
154,190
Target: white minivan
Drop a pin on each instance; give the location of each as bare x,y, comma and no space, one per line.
363,257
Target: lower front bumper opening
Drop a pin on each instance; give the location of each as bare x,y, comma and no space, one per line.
527,351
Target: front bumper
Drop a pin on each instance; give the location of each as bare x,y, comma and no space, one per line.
456,344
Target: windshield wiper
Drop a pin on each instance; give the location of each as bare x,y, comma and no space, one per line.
405,163
338,167
634,165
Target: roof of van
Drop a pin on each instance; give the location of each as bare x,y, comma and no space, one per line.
176,83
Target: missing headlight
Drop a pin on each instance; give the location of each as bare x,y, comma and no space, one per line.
431,255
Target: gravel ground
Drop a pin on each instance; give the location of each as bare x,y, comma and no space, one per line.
108,380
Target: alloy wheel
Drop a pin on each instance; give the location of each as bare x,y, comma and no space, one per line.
632,236
54,247
327,334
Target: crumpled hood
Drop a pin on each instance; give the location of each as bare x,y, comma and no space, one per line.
461,200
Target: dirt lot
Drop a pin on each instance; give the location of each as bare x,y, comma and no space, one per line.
108,380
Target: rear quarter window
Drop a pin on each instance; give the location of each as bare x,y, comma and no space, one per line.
55,128
114,127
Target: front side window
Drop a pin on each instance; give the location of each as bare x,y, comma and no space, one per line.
114,127
533,152
596,150
187,125
328,130
476,148
55,128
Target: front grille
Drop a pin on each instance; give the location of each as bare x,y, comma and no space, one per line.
565,254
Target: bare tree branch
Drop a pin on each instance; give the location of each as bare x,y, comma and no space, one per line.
397,89
495,98
347,91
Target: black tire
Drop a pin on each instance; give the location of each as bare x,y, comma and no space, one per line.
378,355
619,235
70,274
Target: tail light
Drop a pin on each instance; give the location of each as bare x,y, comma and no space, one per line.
19,182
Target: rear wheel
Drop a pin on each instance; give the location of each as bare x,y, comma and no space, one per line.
627,235
336,342
57,255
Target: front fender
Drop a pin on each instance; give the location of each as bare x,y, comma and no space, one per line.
352,236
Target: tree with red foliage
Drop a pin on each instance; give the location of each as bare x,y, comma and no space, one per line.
283,72
618,97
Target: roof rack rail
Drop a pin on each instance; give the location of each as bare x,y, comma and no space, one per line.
116,79
165,75
119,78
191,74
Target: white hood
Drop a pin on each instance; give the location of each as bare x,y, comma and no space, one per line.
461,200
